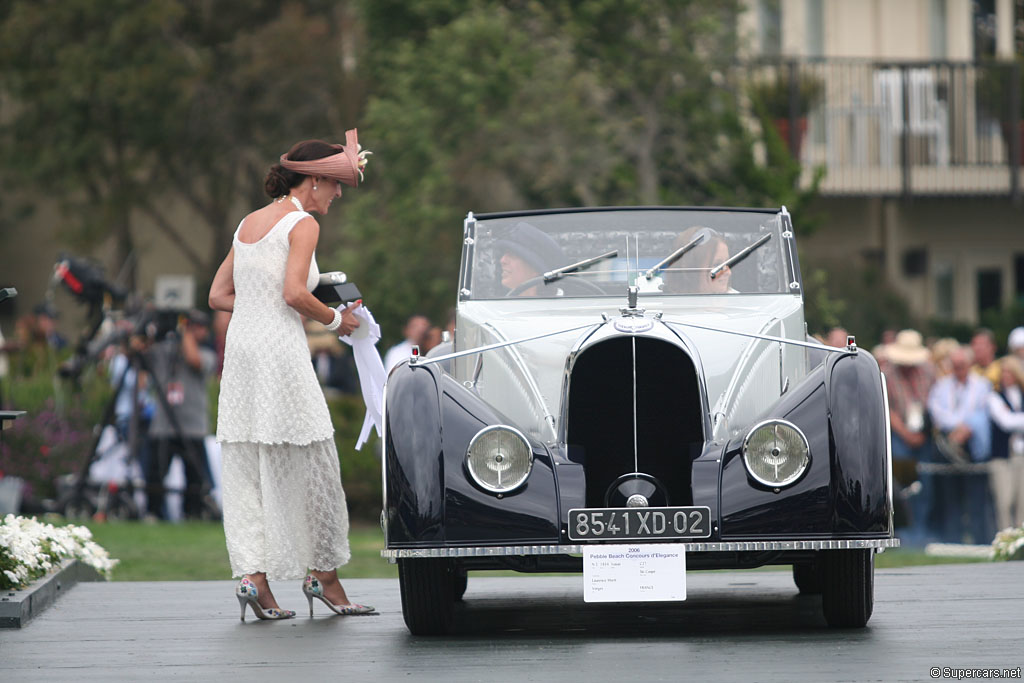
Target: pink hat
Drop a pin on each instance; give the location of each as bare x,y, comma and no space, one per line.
347,165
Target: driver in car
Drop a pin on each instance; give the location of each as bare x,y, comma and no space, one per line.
527,253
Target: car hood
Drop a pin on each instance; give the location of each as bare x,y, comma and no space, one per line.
525,381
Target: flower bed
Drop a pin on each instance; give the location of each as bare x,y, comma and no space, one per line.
30,549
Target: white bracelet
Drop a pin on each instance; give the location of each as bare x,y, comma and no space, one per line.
336,323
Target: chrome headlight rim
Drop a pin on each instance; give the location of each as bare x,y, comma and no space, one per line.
793,479
483,484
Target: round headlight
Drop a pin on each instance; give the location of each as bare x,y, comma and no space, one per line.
499,458
775,453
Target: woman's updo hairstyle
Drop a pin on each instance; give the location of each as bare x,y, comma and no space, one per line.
280,180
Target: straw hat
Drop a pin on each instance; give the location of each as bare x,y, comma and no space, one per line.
908,349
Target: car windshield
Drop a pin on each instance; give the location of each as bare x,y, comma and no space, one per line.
664,252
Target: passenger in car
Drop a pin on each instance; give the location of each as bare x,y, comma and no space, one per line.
527,253
691,274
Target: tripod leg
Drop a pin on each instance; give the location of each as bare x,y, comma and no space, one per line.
76,501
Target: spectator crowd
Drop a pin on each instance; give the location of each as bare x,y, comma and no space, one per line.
957,420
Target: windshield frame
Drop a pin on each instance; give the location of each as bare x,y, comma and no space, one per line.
790,279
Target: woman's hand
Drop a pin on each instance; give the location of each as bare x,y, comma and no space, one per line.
349,322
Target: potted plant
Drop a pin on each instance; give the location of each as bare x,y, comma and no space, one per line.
771,99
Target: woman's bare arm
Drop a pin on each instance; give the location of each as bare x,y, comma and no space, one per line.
222,291
303,239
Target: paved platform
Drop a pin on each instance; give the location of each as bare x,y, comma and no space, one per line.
735,626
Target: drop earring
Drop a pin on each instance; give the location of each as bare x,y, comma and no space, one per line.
314,187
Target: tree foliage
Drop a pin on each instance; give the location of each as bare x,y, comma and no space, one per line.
496,105
122,108
119,108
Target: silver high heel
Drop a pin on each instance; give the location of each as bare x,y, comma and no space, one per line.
248,595
311,588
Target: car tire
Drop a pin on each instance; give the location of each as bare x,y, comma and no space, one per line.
847,587
428,595
807,577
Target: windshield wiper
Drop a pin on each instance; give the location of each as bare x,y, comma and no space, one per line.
676,255
739,256
559,273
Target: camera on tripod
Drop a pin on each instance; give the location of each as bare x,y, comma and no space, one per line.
173,299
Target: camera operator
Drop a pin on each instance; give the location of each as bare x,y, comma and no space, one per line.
181,365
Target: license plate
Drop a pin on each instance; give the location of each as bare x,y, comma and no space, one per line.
589,524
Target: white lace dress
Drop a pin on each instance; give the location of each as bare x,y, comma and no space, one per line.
284,507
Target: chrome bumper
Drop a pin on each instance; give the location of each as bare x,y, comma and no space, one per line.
733,546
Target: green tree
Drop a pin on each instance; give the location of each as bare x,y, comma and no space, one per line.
118,109
491,105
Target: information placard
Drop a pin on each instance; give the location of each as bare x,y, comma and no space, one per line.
634,573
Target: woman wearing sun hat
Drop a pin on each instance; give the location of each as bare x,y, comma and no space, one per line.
284,506
909,377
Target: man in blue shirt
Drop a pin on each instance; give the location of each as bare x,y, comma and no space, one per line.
958,404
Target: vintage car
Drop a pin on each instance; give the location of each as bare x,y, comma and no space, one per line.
634,376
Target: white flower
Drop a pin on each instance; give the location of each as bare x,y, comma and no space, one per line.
29,549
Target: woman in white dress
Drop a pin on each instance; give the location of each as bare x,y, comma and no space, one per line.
284,507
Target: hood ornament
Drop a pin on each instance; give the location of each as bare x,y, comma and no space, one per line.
630,308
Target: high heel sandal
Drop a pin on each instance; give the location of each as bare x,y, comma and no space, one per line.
311,588
248,595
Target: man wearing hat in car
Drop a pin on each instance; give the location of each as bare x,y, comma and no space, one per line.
909,377
526,254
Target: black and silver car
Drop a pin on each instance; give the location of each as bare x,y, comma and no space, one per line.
635,377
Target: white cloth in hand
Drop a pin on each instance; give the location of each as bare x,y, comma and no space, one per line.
363,341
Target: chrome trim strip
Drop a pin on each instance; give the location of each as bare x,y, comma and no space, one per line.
422,360
787,234
636,423
468,244
730,546
818,346
888,452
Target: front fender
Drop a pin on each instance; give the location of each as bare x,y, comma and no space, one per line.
840,408
431,499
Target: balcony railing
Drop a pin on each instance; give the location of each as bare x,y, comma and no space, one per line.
899,128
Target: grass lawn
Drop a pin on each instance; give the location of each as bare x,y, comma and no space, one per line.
194,551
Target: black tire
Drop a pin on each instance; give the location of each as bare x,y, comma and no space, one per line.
807,578
459,582
847,587
428,595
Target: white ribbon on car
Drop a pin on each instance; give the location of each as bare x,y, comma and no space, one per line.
363,341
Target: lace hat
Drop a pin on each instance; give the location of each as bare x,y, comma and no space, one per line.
346,166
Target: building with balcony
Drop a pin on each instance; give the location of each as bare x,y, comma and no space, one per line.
913,111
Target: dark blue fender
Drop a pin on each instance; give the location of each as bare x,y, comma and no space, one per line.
430,419
840,408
